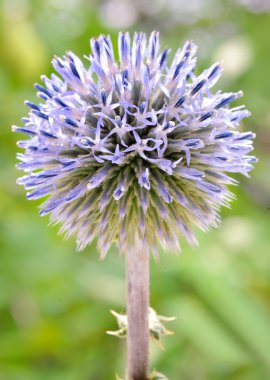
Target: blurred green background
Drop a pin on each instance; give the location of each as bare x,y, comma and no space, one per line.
54,303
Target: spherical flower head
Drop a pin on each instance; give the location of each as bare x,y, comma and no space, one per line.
133,149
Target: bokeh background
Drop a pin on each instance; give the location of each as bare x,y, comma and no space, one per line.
54,303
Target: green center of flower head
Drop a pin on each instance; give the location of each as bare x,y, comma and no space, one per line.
135,148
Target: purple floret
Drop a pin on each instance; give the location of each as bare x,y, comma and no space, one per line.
132,148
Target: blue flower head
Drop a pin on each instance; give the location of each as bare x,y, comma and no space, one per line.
135,148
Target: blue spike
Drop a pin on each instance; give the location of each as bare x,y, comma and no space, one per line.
47,134
32,105
222,158
225,101
169,125
125,77
56,88
43,89
103,97
74,70
192,142
60,64
45,176
41,114
223,135
142,107
180,101
177,69
24,130
198,87
39,193
97,46
245,136
71,122
206,116
213,72
60,102
68,163
163,57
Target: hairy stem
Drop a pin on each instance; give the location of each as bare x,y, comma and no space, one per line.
137,291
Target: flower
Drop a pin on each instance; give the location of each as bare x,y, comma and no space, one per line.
135,149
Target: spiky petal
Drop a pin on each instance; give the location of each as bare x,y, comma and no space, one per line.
133,148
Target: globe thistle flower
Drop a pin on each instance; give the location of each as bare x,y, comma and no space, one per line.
137,147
